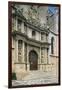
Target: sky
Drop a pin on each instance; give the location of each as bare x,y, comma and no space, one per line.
52,9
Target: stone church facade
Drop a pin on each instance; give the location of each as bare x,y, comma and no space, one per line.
30,39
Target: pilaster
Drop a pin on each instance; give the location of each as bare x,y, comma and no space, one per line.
16,22
22,27
16,50
23,53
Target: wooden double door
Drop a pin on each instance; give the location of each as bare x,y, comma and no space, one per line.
33,60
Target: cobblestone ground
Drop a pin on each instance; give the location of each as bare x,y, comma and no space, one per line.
37,77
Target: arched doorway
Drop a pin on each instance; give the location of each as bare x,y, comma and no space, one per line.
33,60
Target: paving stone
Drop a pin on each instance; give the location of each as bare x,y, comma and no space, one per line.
37,77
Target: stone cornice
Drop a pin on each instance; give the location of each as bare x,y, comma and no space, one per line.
30,25
24,37
37,28
53,55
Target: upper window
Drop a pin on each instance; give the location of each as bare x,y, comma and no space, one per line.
19,24
52,45
33,33
42,36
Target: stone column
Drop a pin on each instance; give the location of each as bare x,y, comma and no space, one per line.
16,24
16,50
23,46
40,58
28,59
40,36
23,55
45,56
22,27
40,54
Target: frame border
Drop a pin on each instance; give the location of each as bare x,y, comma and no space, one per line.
10,46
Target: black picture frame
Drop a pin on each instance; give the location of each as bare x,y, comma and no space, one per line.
10,45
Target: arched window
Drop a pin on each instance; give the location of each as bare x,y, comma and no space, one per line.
52,45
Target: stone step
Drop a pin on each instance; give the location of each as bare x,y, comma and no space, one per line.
39,74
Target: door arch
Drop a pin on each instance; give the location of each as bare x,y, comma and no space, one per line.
33,60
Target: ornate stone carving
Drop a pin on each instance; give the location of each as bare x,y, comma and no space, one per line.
33,16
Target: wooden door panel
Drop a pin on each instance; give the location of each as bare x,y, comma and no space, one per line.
33,60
